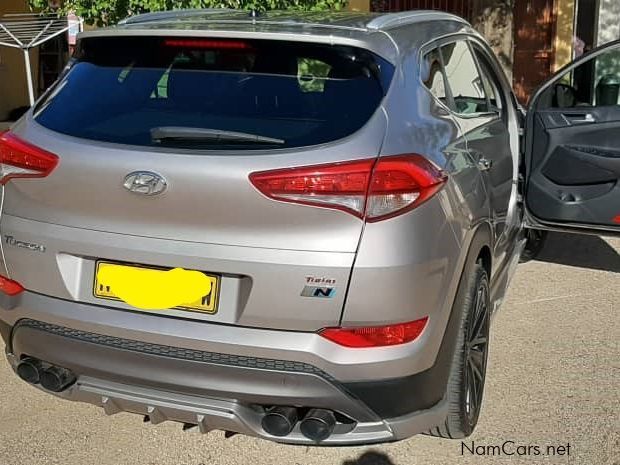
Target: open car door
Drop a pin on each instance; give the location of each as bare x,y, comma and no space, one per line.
572,147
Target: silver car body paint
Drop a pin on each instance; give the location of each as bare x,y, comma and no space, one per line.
207,216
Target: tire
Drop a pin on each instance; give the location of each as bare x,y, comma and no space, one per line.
468,372
536,239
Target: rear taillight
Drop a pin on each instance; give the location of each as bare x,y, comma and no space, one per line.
376,336
401,183
20,159
10,287
340,185
374,189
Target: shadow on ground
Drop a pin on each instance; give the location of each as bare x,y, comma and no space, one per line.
584,251
370,458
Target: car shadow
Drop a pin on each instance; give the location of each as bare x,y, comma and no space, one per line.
371,457
581,250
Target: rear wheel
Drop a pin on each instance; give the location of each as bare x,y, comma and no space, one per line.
468,374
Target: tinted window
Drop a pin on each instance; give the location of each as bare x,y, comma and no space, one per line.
215,93
464,80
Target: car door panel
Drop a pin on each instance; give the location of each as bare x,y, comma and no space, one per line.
490,142
575,169
573,158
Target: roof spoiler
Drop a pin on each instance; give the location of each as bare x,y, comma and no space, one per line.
171,14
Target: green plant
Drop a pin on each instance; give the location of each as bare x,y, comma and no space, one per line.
106,12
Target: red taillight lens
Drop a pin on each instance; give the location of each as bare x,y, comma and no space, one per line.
376,189
401,183
376,336
208,44
21,159
10,287
342,186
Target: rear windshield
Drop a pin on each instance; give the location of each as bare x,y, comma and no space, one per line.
207,93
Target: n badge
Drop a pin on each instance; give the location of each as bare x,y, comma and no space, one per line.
320,292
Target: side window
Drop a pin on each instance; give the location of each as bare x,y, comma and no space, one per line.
594,83
490,81
464,80
433,76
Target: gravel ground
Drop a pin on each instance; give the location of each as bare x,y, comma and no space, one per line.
554,376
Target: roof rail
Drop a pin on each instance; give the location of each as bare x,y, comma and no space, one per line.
171,14
391,20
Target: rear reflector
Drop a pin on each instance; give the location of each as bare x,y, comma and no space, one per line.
209,44
371,189
20,159
10,287
617,219
375,336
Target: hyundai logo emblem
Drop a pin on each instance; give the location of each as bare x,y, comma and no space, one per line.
145,183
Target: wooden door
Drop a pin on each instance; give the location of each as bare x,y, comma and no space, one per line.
533,45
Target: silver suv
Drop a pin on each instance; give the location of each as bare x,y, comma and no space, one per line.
295,227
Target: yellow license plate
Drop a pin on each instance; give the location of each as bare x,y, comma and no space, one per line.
151,288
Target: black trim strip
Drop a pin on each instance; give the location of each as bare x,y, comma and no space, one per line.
176,352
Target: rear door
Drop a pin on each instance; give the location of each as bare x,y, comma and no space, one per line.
572,147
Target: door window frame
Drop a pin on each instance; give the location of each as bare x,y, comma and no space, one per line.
487,70
439,42
558,75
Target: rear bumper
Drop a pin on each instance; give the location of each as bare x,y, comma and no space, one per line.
221,377
205,389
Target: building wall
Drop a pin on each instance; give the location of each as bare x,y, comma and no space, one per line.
609,21
359,5
494,19
13,88
564,27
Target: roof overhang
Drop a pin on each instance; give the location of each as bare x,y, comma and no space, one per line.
378,42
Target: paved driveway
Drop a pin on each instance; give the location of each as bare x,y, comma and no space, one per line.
554,380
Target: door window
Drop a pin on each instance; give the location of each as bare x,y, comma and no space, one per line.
464,80
490,81
433,76
594,83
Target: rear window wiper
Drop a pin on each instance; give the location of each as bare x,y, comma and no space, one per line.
185,135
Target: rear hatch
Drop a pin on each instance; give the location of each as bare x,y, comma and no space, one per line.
156,139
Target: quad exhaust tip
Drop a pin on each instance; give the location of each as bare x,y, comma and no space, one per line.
57,379
29,369
318,424
51,377
280,421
